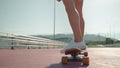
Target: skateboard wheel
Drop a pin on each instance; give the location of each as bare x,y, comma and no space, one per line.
85,53
85,60
64,60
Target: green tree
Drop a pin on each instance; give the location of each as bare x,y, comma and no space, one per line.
109,41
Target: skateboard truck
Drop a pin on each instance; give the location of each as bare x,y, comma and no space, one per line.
74,58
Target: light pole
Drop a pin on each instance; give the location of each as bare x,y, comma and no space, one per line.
54,19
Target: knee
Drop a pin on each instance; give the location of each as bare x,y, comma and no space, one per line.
70,10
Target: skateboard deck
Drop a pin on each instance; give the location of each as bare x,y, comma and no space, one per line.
77,55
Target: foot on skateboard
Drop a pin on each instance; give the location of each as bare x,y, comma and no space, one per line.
77,55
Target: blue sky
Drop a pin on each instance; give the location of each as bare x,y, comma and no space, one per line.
37,16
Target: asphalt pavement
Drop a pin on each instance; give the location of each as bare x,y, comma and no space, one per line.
51,58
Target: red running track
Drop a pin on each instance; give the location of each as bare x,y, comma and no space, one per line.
51,58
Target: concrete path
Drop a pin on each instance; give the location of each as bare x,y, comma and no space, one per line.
51,58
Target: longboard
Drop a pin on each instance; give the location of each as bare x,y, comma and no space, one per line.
77,55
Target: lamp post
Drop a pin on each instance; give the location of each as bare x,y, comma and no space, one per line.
54,19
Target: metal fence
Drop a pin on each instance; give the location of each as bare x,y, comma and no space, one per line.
13,41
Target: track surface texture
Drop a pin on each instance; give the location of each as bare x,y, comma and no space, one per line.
51,58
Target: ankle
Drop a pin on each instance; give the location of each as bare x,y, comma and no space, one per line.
77,41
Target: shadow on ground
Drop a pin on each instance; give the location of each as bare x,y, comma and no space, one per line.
70,65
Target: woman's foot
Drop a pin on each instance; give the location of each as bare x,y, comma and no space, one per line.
79,45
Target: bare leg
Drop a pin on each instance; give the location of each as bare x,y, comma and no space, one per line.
74,12
79,5
74,19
